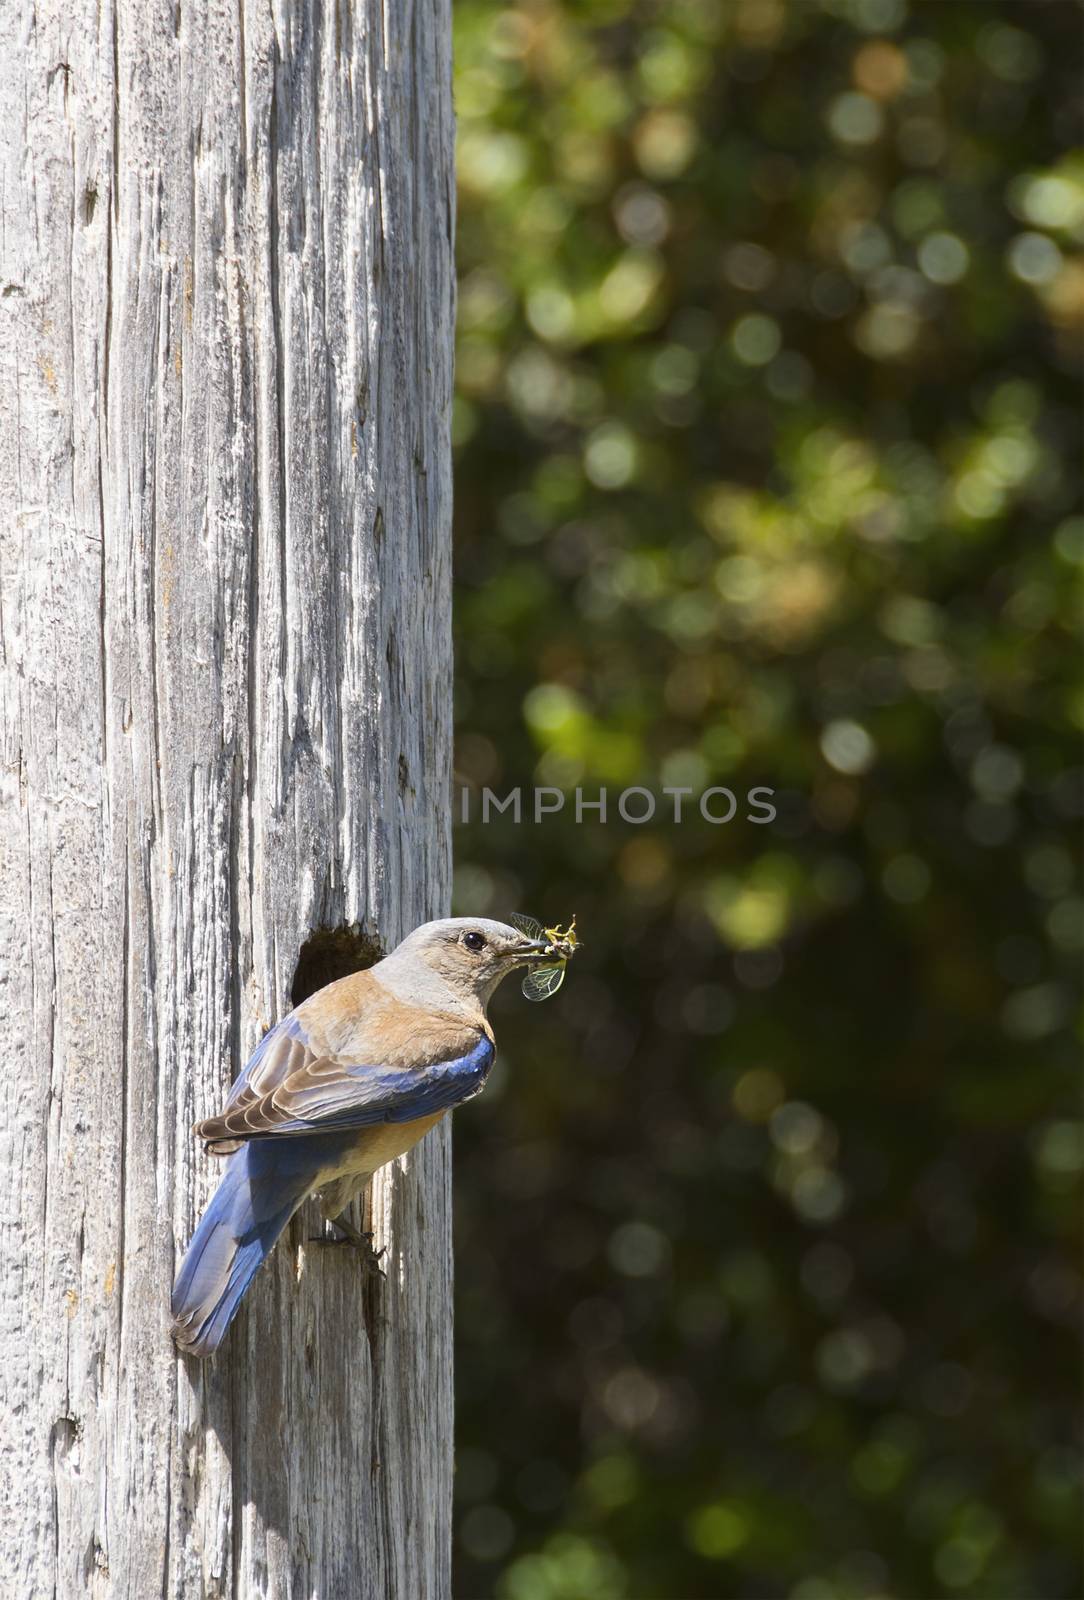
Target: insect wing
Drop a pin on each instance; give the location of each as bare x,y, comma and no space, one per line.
544,981
527,925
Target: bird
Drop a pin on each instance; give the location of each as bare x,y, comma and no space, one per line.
350,1079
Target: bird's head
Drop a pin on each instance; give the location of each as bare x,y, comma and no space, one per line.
469,954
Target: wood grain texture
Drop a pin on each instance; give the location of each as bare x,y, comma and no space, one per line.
226,304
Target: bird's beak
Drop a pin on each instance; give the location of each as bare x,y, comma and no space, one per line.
530,950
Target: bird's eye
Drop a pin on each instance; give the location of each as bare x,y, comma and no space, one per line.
474,941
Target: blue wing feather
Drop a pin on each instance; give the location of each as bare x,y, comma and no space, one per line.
289,1028
361,1096
329,1094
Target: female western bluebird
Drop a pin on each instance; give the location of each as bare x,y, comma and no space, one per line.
349,1080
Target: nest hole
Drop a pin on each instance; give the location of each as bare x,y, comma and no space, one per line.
331,953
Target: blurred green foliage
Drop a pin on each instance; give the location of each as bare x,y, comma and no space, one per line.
767,435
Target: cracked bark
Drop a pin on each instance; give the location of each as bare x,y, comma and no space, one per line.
225,379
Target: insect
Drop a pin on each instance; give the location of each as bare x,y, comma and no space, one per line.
545,980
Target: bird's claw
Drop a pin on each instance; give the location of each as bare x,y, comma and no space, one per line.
362,1242
370,1258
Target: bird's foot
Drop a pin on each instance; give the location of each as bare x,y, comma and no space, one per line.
362,1242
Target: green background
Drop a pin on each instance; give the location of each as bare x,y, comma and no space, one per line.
767,429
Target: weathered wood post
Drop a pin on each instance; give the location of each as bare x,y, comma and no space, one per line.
226,308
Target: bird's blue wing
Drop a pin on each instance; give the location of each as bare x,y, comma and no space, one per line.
327,1094
283,1050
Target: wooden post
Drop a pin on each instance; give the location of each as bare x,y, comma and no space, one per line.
226,304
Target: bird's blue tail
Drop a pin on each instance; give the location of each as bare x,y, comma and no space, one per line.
262,1187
